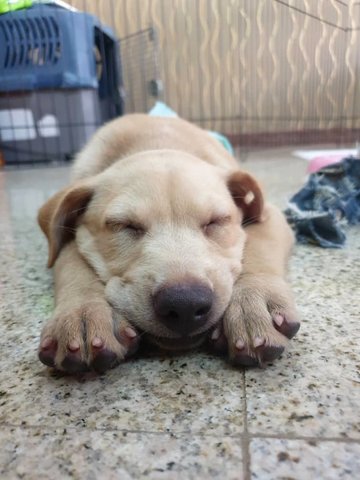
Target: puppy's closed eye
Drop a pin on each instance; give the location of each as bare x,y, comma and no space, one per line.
215,222
127,226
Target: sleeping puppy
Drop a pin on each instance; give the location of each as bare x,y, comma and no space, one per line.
161,236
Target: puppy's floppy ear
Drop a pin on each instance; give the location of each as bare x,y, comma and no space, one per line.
59,215
247,195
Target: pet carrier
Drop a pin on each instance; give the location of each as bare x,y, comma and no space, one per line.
60,79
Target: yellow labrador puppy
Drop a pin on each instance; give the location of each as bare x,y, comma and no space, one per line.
161,236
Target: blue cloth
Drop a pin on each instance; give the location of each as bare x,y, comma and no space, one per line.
160,109
329,200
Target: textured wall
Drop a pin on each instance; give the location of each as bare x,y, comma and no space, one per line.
246,66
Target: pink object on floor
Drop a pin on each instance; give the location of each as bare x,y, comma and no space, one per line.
319,162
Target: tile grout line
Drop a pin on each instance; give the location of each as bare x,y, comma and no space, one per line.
304,438
248,436
245,440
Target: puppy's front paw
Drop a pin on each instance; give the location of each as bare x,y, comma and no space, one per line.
88,336
258,322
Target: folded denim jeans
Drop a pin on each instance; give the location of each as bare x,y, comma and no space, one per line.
329,201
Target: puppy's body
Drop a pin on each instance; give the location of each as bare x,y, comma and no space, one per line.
134,134
148,238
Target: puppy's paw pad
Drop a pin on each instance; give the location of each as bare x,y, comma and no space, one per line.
286,325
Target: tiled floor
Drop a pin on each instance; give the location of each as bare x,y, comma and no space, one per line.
191,416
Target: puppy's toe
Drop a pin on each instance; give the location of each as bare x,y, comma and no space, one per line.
267,353
242,355
286,324
108,352
71,353
74,363
244,360
104,359
110,342
47,351
103,354
128,337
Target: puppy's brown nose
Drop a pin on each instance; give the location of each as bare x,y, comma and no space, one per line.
183,308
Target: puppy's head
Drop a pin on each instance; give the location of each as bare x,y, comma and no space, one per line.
163,231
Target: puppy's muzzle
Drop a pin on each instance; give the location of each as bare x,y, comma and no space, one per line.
183,308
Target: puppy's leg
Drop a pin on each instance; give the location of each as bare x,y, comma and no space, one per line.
84,331
261,316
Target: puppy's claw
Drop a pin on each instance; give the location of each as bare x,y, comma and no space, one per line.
278,319
130,332
129,338
218,341
216,334
240,344
74,346
259,342
97,342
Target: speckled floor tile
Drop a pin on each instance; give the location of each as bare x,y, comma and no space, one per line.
298,460
315,388
193,393
90,455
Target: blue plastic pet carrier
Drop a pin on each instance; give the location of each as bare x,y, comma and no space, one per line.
55,63
50,47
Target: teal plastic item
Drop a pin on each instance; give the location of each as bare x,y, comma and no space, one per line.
160,109
223,140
